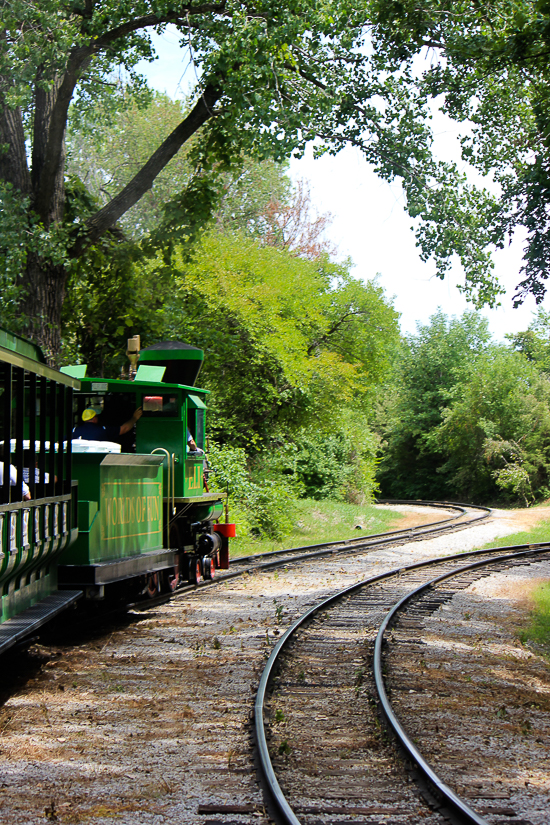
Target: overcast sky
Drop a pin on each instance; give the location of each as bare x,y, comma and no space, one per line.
369,223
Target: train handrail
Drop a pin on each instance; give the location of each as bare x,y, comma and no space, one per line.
170,464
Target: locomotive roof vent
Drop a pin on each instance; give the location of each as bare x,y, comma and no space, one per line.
182,361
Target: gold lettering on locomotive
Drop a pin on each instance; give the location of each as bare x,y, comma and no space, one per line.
126,513
195,483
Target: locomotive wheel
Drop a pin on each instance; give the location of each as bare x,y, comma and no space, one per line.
152,584
195,572
208,567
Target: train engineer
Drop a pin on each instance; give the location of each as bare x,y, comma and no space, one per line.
92,430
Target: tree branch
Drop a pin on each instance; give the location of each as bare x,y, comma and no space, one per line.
335,327
156,20
79,60
143,180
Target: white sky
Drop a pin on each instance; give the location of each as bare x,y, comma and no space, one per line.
370,224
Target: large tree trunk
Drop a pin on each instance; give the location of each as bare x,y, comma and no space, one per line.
42,282
44,291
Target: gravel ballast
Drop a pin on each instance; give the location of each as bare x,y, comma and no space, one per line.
151,722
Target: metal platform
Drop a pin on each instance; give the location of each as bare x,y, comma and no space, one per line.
205,498
77,575
18,628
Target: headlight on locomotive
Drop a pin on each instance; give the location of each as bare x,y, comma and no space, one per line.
208,543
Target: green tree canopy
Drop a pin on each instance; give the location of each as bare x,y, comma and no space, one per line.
486,66
269,80
470,420
289,342
534,342
431,364
495,433
106,149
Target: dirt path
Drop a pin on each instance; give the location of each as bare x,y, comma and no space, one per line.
524,519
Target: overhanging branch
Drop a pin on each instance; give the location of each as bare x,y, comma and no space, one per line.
79,60
143,180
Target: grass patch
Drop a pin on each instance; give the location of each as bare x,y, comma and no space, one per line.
537,632
538,535
320,521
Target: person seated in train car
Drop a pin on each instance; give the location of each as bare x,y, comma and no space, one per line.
92,430
38,477
192,444
13,476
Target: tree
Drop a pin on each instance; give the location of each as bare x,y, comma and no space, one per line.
495,432
269,79
486,66
111,291
289,342
432,363
290,225
106,149
471,420
534,342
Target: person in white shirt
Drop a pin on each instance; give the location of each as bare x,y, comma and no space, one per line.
13,480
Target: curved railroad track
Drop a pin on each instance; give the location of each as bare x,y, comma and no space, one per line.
323,752
463,516
151,718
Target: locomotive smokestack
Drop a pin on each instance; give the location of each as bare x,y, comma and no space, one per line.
133,355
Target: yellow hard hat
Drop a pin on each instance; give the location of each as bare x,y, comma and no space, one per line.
90,412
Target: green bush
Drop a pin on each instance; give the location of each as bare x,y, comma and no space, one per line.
260,505
340,465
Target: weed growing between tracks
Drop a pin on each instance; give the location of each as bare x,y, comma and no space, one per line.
537,633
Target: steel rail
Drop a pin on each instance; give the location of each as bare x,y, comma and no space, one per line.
486,512
355,545
432,529
265,764
442,789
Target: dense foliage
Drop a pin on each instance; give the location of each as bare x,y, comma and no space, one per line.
124,212
295,346
268,82
469,419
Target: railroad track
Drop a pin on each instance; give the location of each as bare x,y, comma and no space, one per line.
323,747
160,705
463,516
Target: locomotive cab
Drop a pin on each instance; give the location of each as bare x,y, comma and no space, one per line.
155,464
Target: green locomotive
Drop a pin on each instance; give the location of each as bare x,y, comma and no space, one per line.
99,518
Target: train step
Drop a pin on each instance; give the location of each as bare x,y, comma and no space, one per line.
15,630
